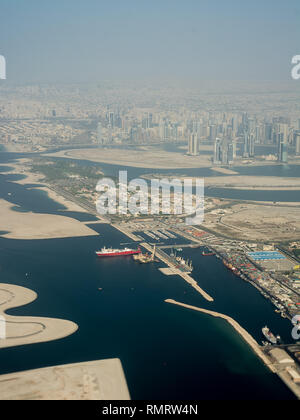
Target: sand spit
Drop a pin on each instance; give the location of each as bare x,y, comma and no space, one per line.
224,171
253,182
20,330
20,225
69,205
245,335
19,168
149,158
38,179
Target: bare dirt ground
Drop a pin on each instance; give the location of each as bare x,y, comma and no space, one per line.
257,222
20,225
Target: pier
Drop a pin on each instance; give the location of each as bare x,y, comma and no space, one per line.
185,276
128,233
177,246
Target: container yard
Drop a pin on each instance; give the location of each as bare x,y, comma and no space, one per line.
271,260
283,298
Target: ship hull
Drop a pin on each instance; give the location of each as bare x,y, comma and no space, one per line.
117,254
269,336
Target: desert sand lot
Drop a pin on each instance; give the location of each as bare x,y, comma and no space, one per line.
253,182
20,225
146,158
257,222
94,380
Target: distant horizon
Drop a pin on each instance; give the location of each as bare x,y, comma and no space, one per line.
82,42
209,84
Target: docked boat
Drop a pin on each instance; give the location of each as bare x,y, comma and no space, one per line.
207,253
113,252
269,336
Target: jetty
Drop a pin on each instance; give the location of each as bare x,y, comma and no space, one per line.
185,276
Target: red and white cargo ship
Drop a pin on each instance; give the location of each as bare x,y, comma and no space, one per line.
111,252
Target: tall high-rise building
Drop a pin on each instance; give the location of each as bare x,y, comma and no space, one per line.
197,127
282,150
118,121
145,123
212,132
218,152
235,125
268,131
297,143
246,144
111,119
252,145
281,133
230,152
224,151
161,129
251,125
245,120
249,143
234,149
258,134
166,130
99,133
193,147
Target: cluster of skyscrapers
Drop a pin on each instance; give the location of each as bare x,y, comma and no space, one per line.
245,133
227,132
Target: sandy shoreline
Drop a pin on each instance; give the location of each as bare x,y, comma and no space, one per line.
21,225
17,168
240,182
29,225
22,330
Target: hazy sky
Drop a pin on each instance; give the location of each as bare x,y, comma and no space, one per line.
91,40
